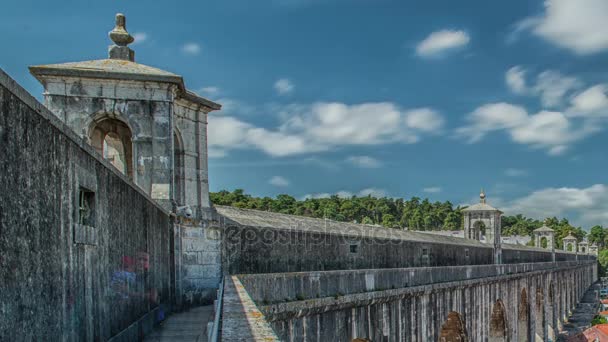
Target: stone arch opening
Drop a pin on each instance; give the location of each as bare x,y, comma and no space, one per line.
583,250
569,247
179,171
498,323
539,324
523,317
480,227
543,242
453,330
112,138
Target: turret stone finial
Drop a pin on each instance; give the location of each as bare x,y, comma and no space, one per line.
121,39
482,196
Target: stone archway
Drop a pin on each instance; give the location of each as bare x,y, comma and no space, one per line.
523,317
498,323
453,330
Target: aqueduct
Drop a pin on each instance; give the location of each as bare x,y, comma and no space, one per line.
106,227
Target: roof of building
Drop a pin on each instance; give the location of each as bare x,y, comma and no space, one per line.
544,228
265,219
119,67
604,301
569,237
482,205
596,333
604,313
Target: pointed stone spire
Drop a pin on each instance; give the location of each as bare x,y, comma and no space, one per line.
121,39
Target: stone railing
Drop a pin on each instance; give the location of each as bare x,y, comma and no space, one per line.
283,287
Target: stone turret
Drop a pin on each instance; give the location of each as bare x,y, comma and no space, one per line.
570,243
483,215
141,118
544,232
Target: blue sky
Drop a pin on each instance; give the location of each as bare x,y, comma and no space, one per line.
399,98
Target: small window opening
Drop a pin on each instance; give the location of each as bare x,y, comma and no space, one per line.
354,248
425,252
86,207
466,253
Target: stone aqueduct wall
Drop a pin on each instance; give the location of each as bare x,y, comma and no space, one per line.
482,302
61,280
249,249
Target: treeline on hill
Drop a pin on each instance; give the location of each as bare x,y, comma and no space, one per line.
412,214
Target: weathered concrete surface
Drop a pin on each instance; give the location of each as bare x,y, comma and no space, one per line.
542,296
188,326
58,280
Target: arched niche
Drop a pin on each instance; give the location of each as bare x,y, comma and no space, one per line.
112,138
498,323
453,329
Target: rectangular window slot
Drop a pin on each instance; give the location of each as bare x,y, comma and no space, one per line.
86,207
354,248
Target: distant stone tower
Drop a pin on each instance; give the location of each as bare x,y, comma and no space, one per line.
570,243
547,233
483,215
142,119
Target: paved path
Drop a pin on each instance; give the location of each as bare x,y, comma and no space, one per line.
188,326
584,312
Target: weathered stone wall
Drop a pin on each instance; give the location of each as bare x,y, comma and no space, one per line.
61,280
249,249
529,302
266,250
200,266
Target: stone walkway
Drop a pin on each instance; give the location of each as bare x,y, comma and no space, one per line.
188,326
584,312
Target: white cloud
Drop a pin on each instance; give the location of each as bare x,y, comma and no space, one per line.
516,80
209,91
139,37
278,181
364,161
284,86
512,172
424,119
441,41
325,126
374,192
589,206
492,117
547,130
432,190
577,25
191,48
591,103
552,86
